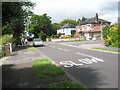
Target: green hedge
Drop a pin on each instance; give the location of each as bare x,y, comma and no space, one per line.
111,35
5,39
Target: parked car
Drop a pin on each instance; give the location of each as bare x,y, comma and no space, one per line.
37,42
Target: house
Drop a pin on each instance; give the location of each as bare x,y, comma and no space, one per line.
91,28
66,29
27,34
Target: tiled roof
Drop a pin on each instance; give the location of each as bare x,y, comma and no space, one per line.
93,20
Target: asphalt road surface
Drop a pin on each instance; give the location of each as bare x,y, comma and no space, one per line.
95,69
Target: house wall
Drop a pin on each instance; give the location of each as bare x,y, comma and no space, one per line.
67,31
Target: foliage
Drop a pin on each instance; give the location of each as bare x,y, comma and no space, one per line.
5,39
55,26
40,23
73,32
105,31
113,50
111,35
67,36
7,29
81,20
55,36
45,69
43,36
14,15
66,84
31,48
68,21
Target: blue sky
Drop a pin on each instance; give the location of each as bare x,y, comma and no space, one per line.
75,9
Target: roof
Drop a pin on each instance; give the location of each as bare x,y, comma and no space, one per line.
68,25
93,20
96,29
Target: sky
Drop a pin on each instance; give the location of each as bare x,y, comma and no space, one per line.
59,10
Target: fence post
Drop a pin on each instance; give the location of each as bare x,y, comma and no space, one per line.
7,49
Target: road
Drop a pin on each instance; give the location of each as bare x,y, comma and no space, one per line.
94,69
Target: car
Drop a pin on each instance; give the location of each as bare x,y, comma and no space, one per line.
37,42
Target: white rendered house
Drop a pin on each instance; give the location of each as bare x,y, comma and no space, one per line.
66,29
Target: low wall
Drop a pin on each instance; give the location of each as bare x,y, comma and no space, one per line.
62,39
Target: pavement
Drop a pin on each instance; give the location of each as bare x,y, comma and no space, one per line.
17,70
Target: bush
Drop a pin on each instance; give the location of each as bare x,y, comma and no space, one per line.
67,36
111,35
6,39
73,32
43,36
55,36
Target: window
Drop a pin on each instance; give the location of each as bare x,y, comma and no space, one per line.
83,28
88,27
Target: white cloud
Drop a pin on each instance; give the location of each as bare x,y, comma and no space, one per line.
75,9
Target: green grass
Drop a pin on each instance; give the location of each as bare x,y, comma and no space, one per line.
31,48
66,84
45,69
107,49
72,41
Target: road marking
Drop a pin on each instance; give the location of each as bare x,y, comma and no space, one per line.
84,61
63,49
53,46
68,45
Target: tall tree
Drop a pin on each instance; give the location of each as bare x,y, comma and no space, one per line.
40,23
55,26
68,21
15,15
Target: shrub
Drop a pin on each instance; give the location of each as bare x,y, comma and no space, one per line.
43,36
111,35
73,32
67,36
6,39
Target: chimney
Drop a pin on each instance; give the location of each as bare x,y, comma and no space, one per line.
97,18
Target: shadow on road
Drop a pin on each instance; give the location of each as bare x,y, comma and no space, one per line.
88,76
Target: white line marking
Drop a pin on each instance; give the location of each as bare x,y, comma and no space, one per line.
98,59
53,46
63,49
68,45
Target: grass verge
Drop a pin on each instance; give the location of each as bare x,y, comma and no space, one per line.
107,49
66,84
31,48
45,69
72,41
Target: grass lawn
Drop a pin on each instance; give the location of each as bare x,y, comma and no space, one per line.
45,69
66,85
107,49
72,41
31,48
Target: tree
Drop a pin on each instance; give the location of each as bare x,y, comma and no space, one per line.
55,26
40,23
83,19
73,32
14,16
68,21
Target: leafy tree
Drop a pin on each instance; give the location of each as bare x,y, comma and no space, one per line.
68,21
14,17
40,23
43,36
55,26
73,32
83,19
